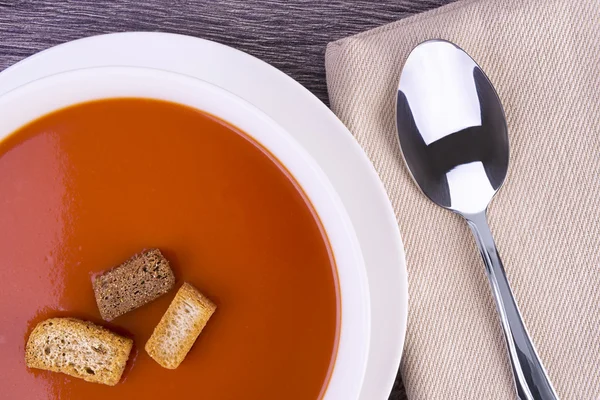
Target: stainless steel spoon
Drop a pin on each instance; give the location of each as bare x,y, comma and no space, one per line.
453,136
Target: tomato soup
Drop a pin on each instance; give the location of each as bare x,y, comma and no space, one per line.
86,187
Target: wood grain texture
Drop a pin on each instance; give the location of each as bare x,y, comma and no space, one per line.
289,34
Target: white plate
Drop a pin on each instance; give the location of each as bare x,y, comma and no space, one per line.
309,121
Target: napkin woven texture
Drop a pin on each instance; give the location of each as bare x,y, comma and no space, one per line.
543,57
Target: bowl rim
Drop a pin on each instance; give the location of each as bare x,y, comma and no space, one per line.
27,103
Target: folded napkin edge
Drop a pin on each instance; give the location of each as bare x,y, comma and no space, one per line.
445,9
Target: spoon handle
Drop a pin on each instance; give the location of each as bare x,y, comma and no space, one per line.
530,376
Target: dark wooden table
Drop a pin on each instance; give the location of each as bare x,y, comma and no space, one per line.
289,34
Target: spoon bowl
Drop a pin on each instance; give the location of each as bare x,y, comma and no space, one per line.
451,127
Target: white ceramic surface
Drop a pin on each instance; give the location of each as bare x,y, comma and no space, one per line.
38,98
309,121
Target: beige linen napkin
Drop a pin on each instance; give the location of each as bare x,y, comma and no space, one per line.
544,59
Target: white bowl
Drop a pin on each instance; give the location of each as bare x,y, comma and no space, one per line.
38,98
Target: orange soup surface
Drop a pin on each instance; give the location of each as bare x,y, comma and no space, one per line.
85,188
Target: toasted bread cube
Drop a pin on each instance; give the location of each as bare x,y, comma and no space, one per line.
137,281
179,327
78,348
